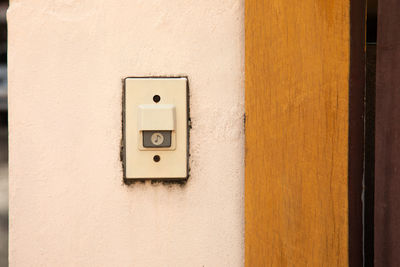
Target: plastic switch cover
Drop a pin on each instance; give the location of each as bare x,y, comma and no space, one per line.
155,128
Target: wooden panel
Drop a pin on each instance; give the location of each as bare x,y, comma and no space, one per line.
297,99
387,136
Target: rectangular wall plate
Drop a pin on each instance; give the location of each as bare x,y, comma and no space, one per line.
148,121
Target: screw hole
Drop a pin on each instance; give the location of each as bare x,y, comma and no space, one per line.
156,158
156,98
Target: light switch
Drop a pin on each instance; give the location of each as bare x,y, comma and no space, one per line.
155,128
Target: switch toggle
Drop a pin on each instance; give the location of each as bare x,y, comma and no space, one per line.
156,125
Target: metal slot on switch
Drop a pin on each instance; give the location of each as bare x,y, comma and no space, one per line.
153,139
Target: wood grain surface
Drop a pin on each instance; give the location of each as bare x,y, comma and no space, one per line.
297,98
387,136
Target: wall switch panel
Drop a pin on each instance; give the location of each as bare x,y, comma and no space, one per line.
155,128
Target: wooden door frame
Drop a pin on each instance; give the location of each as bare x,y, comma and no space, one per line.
266,23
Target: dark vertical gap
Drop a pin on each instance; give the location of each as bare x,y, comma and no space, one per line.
369,156
356,130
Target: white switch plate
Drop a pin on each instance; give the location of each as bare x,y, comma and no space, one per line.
139,162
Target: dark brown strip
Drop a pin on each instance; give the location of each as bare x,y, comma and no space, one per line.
356,129
387,136
369,148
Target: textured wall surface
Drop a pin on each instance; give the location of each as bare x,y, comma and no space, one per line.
68,205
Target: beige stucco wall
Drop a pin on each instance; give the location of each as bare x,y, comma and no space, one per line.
68,205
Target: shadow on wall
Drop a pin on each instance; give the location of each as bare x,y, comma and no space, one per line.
3,137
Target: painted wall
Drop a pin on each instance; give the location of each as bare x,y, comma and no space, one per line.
68,205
